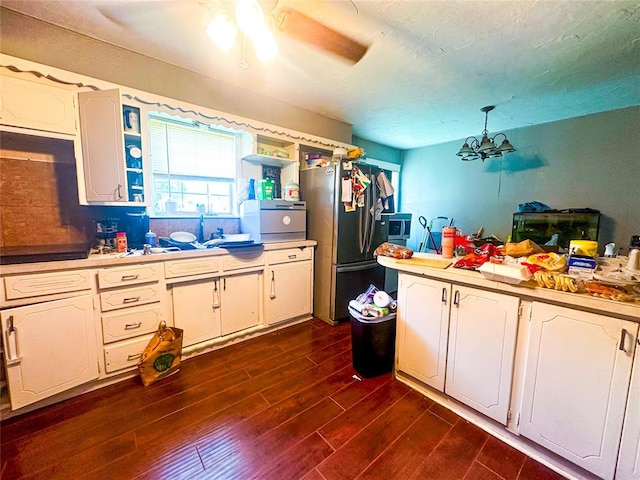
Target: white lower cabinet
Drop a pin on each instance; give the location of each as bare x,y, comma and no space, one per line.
240,299
629,456
422,328
49,347
206,309
576,383
482,341
196,310
465,349
289,291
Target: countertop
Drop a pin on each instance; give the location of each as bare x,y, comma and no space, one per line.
527,290
109,260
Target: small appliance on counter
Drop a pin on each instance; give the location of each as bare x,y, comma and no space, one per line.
136,226
105,231
271,221
399,233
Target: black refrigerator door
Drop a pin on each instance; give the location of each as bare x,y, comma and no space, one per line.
354,242
351,281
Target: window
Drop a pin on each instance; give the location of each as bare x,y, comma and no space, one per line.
193,167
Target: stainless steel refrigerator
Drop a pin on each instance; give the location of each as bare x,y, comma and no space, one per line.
344,261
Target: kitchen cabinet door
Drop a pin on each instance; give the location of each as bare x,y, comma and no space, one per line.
422,328
482,340
240,301
290,291
576,383
27,102
49,347
629,456
101,132
196,310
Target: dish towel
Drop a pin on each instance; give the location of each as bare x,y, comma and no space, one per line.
386,189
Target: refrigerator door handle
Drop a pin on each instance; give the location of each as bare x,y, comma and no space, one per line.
357,267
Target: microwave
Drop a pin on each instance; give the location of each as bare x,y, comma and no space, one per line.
399,226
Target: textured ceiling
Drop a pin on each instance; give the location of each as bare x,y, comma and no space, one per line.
430,68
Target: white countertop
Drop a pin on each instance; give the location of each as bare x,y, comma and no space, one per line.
527,290
109,260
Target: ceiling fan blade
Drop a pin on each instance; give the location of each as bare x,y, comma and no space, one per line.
312,32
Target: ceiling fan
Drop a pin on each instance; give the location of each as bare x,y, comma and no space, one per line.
317,35
300,27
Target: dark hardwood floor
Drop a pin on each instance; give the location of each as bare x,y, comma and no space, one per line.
282,406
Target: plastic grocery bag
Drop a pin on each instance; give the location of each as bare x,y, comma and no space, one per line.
161,357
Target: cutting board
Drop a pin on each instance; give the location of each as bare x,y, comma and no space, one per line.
425,262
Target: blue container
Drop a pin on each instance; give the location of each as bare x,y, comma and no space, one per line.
150,238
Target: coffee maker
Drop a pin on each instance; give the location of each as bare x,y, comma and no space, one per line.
106,232
135,224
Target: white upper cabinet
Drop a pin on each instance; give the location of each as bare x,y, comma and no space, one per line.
576,383
102,146
28,102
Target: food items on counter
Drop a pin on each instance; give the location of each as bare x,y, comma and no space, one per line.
557,281
480,255
613,292
548,261
512,273
387,249
522,249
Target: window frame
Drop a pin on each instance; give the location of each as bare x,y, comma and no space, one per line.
189,121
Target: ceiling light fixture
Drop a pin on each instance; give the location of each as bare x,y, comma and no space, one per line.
249,18
472,149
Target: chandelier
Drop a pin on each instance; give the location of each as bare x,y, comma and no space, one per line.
472,149
249,18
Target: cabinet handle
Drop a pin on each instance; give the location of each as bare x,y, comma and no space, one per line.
13,354
456,298
124,278
444,295
224,284
623,336
293,256
216,302
119,191
130,326
131,300
272,295
133,356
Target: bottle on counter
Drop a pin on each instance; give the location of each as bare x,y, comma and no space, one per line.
121,242
150,238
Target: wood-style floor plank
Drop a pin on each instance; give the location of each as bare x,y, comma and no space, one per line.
283,406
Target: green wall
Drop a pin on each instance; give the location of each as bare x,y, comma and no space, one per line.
591,161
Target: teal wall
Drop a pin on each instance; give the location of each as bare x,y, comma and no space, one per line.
378,151
591,161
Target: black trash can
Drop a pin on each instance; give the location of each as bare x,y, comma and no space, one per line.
373,343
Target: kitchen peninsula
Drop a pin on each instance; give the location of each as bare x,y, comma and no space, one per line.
550,372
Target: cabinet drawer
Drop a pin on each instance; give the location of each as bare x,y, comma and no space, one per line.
129,297
130,322
191,266
130,275
37,284
242,260
289,255
124,354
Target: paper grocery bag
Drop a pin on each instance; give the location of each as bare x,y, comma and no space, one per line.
161,357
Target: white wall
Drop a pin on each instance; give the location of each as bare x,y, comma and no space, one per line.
591,161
